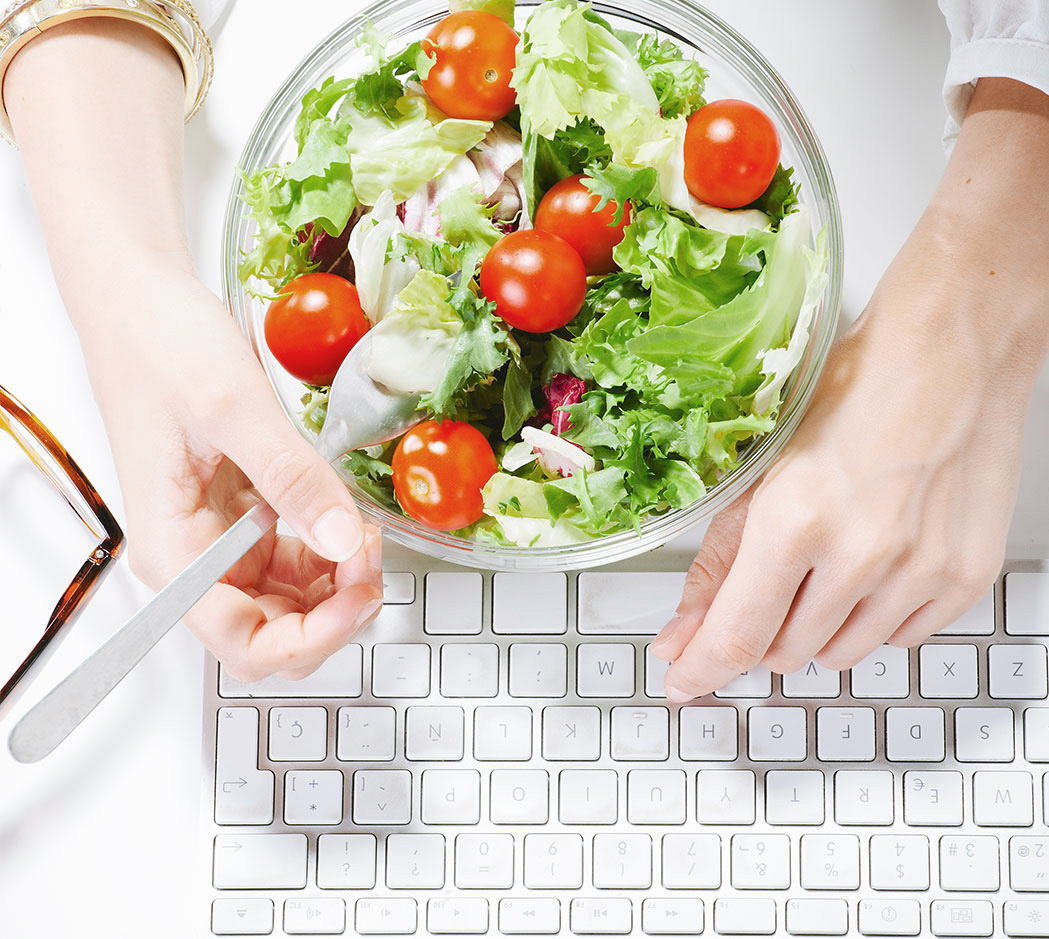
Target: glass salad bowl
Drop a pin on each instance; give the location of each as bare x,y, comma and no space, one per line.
735,70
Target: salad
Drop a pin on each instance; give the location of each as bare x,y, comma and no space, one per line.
597,280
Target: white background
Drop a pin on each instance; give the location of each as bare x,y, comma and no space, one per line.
100,840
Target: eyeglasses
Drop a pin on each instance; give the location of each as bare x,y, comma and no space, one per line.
66,477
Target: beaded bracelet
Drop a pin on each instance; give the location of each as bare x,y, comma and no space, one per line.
174,20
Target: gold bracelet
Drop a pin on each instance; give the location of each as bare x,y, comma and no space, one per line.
174,20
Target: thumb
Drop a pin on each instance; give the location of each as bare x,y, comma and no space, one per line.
292,477
705,576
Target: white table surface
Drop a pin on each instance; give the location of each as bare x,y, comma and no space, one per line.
100,840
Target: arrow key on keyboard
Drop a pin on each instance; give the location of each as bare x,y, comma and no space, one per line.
242,917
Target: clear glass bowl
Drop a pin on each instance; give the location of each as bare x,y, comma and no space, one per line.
736,69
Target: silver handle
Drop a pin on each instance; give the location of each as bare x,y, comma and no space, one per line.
55,716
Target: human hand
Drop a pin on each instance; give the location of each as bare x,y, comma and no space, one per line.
886,515
193,423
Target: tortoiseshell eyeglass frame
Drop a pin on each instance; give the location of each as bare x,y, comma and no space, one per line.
52,459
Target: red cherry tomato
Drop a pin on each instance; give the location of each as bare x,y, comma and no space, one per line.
567,210
313,324
731,153
476,53
439,469
536,280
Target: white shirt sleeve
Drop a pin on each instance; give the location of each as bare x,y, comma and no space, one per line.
999,38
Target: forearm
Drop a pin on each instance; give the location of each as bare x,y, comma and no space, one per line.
97,111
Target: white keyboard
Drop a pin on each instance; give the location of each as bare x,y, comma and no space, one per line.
494,756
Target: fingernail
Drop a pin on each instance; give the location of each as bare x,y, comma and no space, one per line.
368,612
677,695
667,632
337,535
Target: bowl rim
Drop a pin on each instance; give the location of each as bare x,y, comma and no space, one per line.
712,35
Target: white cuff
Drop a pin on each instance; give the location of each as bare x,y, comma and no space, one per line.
1023,60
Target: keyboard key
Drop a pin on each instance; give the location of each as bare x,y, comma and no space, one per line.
947,671
1026,917
830,862
529,915
622,861
588,797
243,792
884,673
1036,735
571,733
755,683
553,862
845,734
708,733
260,861
794,797
969,862
605,670
606,916
777,734
962,918
811,917
453,603
655,797
457,915
1003,798
932,798
503,733
625,603
386,916
484,862
725,797
520,796
1029,863
812,681
469,670
341,676
346,862
243,916
382,797
366,734
749,917
978,620
673,917
863,797
414,862
691,862
433,733
313,797
398,587
529,603
538,670
400,670
316,916
760,862
1018,671
885,917
298,735
451,797
983,735
915,735
899,862
1026,603
640,733
655,672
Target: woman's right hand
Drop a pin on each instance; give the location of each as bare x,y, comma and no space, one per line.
198,435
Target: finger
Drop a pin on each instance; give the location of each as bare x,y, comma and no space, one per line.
705,576
743,618
303,488
292,562
922,623
870,624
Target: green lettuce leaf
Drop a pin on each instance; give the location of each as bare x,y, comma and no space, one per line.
504,9
676,79
466,220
